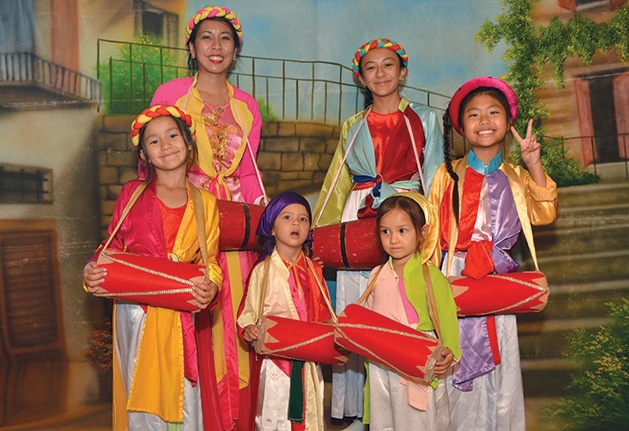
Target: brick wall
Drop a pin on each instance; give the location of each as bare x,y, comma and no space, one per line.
292,156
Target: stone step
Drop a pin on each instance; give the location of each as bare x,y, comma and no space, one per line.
575,301
593,195
549,339
547,378
590,267
586,216
582,240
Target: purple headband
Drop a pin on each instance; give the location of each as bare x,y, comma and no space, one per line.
272,210
475,83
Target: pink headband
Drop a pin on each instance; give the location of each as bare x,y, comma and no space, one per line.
475,83
158,111
378,43
214,12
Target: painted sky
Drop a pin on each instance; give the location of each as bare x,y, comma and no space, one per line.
439,35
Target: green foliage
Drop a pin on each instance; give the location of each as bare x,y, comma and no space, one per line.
130,79
266,111
533,48
601,400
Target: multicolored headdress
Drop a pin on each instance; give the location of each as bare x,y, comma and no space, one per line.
272,210
158,111
214,12
378,43
481,82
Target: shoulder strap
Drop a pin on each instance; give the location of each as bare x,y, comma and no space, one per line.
419,165
432,305
371,285
125,211
199,215
265,279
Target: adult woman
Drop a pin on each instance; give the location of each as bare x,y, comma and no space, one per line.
227,143
393,145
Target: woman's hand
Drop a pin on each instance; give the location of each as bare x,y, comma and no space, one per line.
530,151
204,292
442,366
251,333
93,277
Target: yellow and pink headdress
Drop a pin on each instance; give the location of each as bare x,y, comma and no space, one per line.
378,43
158,111
214,12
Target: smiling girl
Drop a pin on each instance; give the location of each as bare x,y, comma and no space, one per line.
484,203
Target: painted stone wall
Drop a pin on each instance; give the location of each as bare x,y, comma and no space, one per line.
292,156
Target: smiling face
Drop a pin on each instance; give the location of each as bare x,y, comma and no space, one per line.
291,229
381,72
484,122
214,46
164,145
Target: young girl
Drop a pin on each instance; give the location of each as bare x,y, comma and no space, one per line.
393,145
228,139
288,285
484,203
409,228
169,393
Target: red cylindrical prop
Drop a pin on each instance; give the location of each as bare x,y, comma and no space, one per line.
238,223
295,339
351,244
511,293
149,280
411,353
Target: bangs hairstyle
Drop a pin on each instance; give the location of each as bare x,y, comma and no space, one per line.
490,91
410,207
191,147
193,65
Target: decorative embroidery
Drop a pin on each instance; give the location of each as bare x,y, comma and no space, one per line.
218,136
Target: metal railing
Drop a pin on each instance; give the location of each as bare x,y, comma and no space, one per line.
619,141
289,90
28,68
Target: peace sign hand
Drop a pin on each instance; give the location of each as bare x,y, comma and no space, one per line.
530,151
529,147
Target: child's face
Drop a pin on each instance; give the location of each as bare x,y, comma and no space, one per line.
381,72
398,236
291,227
484,122
164,144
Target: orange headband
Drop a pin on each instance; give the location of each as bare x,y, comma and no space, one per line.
158,111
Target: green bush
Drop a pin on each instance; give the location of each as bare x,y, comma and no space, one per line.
601,387
130,80
565,170
266,111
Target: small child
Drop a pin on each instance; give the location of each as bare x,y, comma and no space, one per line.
289,285
484,204
150,394
408,227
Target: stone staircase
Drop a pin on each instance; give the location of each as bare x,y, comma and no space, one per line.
585,256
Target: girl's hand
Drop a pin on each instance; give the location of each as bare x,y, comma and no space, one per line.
251,333
529,147
442,366
204,292
93,277
530,151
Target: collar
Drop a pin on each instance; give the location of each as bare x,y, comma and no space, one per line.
475,163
